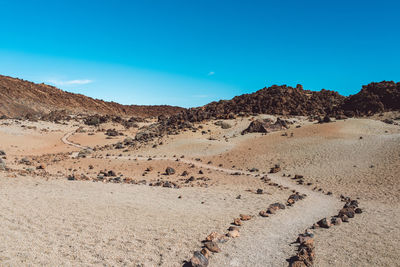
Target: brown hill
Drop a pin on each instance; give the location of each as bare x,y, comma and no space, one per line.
374,98
20,98
280,100
286,100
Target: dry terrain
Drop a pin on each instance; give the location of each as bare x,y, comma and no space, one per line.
69,197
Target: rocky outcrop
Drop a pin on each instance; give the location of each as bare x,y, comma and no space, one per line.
266,126
373,98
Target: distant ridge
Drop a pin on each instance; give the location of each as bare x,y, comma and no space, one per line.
285,100
19,98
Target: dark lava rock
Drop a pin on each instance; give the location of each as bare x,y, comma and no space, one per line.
275,169
349,212
324,223
169,171
373,98
199,260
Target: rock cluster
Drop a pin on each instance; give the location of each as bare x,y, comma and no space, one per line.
373,98
306,251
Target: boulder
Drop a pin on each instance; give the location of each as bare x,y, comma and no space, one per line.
257,126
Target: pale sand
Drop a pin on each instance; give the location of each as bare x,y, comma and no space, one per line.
60,222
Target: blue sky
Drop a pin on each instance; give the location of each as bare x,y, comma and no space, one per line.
189,53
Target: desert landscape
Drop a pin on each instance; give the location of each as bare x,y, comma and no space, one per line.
280,177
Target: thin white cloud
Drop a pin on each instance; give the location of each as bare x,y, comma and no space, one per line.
71,82
201,96
211,73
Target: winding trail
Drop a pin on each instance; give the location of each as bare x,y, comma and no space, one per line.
264,241
65,140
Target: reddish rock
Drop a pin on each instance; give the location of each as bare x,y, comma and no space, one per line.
237,222
212,246
245,217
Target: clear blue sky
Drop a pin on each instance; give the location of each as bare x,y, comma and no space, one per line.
189,53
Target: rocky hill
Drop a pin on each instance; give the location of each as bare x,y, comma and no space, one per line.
374,98
280,100
20,98
286,100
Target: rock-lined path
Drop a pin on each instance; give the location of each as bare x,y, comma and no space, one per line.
263,241
65,140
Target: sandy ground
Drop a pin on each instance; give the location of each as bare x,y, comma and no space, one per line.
48,220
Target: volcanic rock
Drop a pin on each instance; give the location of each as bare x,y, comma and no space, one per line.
199,260
245,217
212,246
373,98
324,223
169,171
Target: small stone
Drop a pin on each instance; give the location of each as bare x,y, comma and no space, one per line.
315,226
271,211
349,212
199,260
233,234
205,252
324,223
41,167
263,213
237,222
169,171
306,240
233,228
336,220
245,217
298,264
212,246
213,236
344,218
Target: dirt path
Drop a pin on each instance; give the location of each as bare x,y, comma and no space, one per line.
65,140
264,241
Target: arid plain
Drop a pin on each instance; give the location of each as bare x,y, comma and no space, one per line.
70,196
